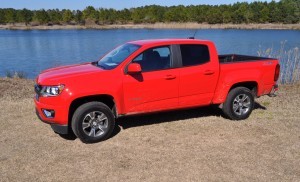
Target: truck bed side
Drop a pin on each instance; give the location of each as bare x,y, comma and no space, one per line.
232,58
246,72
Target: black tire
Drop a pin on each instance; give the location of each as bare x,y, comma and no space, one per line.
234,107
93,122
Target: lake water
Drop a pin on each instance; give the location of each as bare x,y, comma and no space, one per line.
36,50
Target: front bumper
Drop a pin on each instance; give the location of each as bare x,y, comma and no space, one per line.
61,111
59,121
60,129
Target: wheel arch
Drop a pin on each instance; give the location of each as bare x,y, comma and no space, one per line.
222,93
251,85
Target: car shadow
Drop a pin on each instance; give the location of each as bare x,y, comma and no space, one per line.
163,117
170,116
71,136
259,106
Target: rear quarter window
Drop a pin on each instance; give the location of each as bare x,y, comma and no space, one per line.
193,54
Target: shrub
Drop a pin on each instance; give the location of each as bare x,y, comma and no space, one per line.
16,74
289,63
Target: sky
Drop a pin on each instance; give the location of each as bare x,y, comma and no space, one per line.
116,4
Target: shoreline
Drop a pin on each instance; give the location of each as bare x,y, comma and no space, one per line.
21,26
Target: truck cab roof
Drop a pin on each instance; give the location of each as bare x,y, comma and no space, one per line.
169,41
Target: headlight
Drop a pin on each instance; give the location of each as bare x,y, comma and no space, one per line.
50,91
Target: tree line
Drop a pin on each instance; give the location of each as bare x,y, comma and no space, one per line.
284,11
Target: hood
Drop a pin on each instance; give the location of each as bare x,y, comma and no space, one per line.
58,74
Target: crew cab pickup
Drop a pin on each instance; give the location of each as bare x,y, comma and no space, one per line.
149,76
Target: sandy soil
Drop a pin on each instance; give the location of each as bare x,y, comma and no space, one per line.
189,145
190,25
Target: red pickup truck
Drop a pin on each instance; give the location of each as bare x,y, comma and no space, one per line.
150,76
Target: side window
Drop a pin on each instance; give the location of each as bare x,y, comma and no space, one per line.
154,59
194,54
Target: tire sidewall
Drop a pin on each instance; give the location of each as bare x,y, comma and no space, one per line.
232,95
79,115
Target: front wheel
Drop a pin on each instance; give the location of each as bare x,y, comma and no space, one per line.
93,122
239,104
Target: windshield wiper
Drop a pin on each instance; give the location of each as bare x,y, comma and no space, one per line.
101,66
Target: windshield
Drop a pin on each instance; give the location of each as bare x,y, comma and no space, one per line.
117,56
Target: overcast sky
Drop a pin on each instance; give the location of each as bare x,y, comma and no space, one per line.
116,4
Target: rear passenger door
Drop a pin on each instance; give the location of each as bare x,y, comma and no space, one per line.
198,75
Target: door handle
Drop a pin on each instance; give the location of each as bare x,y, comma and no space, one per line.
170,77
209,72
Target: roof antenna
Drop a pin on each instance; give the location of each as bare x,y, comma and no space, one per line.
193,37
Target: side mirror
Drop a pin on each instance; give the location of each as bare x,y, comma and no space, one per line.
134,68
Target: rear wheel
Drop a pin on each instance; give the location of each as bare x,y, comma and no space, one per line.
93,122
239,104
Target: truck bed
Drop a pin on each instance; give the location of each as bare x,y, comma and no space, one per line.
239,68
230,58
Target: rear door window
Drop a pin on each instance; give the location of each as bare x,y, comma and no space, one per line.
193,54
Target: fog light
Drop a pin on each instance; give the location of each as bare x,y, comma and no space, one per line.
49,113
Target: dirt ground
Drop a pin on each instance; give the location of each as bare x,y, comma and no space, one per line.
190,145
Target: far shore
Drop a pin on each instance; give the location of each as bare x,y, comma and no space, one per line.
19,26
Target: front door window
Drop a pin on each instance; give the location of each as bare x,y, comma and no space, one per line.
154,59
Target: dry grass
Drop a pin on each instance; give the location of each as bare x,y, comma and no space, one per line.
190,145
172,25
289,62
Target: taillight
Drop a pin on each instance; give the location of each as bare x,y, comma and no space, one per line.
277,72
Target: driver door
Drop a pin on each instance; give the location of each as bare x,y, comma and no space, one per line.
156,87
